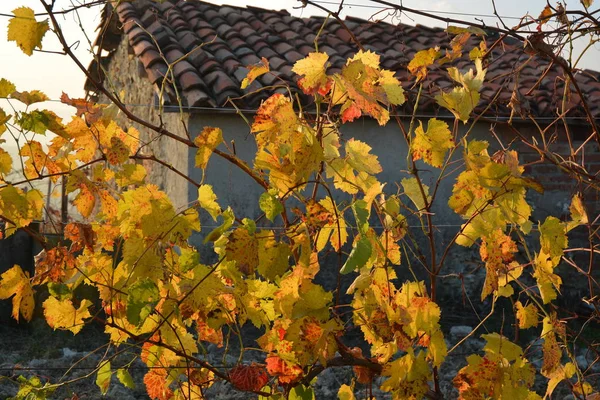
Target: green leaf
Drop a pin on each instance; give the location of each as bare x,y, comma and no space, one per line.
25,30
103,376
141,300
270,204
359,256
6,88
302,392
125,378
361,214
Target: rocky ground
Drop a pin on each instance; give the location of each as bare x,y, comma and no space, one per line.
62,357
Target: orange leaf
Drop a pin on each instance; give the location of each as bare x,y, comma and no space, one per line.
248,378
156,384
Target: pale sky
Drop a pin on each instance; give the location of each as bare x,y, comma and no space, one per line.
54,73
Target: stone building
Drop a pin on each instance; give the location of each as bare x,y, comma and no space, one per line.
181,63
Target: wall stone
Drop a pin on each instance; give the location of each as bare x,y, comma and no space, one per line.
125,76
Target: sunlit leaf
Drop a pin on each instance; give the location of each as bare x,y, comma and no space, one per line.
15,283
103,376
25,30
61,314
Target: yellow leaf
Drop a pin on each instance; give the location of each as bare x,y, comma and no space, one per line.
437,348
254,71
431,145
6,88
368,58
551,349
3,120
242,247
392,88
346,393
312,68
561,373
334,231
273,257
499,345
578,213
5,162
16,282
545,15
413,191
103,376
360,158
462,100
25,30
131,174
61,314
118,152
207,141
208,200
422,59
527,316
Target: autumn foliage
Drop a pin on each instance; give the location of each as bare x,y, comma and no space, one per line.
132,245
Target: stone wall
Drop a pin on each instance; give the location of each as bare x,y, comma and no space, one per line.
125,75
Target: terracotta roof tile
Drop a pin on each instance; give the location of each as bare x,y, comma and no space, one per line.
223,40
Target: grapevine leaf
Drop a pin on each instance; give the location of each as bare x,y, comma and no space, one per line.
368,58
545,15
156,384
103,376
360,254
346,393
254,71
499,345
29,98
360,158
131,174
39,121
207,141
242,247
421,61
527,316
431,145
216,233
25,30
557,376
270,204
118,152
312,69
125,378
5,162
141,300
15,282
392,88
413,191
462,100
578,213
273,256
61,314
302,392
6,88
3,120
208,200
